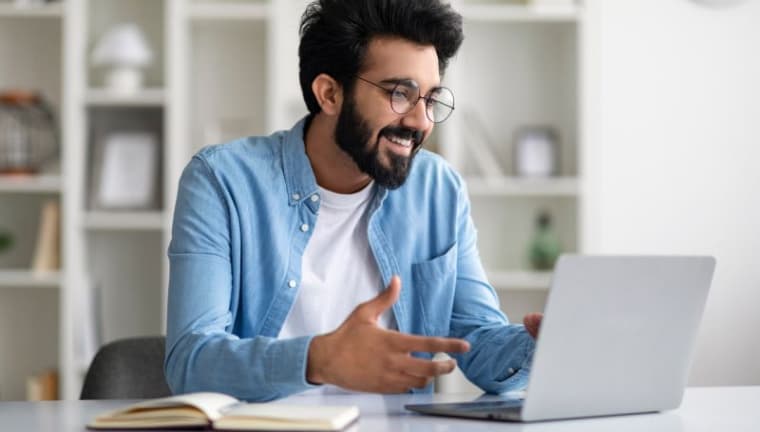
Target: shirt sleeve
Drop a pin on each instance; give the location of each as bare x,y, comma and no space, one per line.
202,353
501,353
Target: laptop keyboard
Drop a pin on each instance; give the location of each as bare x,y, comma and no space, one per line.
487,405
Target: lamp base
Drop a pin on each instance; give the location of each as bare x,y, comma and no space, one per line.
124,80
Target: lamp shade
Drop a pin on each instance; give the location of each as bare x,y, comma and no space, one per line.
123,45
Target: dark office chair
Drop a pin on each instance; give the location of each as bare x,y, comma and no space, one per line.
127,369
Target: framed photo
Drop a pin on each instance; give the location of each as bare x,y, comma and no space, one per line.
126,172
536,152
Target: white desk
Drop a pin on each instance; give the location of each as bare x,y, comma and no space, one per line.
730,409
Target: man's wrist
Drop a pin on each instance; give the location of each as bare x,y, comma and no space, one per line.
315,360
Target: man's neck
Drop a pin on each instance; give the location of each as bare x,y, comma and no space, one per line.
333,168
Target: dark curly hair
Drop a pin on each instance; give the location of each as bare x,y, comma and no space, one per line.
335,35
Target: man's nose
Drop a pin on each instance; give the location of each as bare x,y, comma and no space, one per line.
417,118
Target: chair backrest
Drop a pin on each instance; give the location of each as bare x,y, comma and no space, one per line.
127,369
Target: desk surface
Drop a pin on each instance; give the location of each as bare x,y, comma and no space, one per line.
734,409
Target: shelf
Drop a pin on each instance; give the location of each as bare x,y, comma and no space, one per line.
30,184
523,187
518,13
520,280
29,278
149,97
52,10
228,11
124,221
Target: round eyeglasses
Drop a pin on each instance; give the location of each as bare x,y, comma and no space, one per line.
404,95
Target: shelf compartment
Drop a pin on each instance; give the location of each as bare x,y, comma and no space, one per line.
148,15
46,183
228,11
536,87
30,278
124,221
126,270
517,186
507,227
51,10
149,97
27,314
228,64
520,280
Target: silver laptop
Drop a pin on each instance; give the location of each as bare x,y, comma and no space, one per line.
617,338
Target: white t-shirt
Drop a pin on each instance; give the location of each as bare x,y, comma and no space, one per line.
338,269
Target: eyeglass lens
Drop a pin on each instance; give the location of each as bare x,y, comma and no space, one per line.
439,103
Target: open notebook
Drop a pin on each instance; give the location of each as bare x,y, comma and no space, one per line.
221,412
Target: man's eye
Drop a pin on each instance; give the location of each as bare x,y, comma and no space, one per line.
401,93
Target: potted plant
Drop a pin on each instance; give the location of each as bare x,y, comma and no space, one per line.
6,240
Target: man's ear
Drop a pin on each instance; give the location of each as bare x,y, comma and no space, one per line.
329,94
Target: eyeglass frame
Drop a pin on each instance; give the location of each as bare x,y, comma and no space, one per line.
427,97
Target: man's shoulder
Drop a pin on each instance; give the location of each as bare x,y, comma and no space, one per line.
431,169
242,153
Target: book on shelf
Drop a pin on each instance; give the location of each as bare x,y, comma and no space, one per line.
47,251
42,387
217,411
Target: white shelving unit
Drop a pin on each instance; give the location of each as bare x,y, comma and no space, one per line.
521,187
532,78
38,184
51,10
30,300
29,279
229,11
152,97
474,11
125,221
229,68
520,65
520,280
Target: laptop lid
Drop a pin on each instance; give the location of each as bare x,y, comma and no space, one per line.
617,335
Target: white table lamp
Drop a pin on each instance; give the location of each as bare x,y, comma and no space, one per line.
125,51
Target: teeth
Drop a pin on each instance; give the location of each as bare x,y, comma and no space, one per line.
399,141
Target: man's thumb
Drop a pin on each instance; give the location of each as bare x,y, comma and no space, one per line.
384,300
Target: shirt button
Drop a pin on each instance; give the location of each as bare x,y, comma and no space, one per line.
305,227
314,198
292,283
296,197
510,371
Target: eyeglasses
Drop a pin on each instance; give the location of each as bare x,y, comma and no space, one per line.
404,95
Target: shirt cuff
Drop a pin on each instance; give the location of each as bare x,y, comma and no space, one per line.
517,378
287,366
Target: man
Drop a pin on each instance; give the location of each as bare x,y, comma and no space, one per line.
282,245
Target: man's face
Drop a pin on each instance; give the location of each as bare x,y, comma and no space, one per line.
380,141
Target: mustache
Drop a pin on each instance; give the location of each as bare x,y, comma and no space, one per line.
404,133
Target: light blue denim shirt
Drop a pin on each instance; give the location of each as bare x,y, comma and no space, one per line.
235,254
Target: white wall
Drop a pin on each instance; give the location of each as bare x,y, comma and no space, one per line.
673,152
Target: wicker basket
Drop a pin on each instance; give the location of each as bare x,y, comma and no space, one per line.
28,137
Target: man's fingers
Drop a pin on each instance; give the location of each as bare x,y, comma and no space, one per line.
532,322
413,343
402,383
374,308
424,368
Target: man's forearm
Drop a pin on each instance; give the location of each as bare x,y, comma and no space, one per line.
256,369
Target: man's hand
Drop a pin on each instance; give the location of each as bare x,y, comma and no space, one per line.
532,323
361,356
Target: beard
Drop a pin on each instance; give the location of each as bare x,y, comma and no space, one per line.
353,136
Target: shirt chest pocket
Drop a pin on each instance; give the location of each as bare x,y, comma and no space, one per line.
434,284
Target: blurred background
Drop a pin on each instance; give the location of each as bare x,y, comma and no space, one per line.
602,126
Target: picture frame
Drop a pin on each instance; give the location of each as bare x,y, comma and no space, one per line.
536,152
126,172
